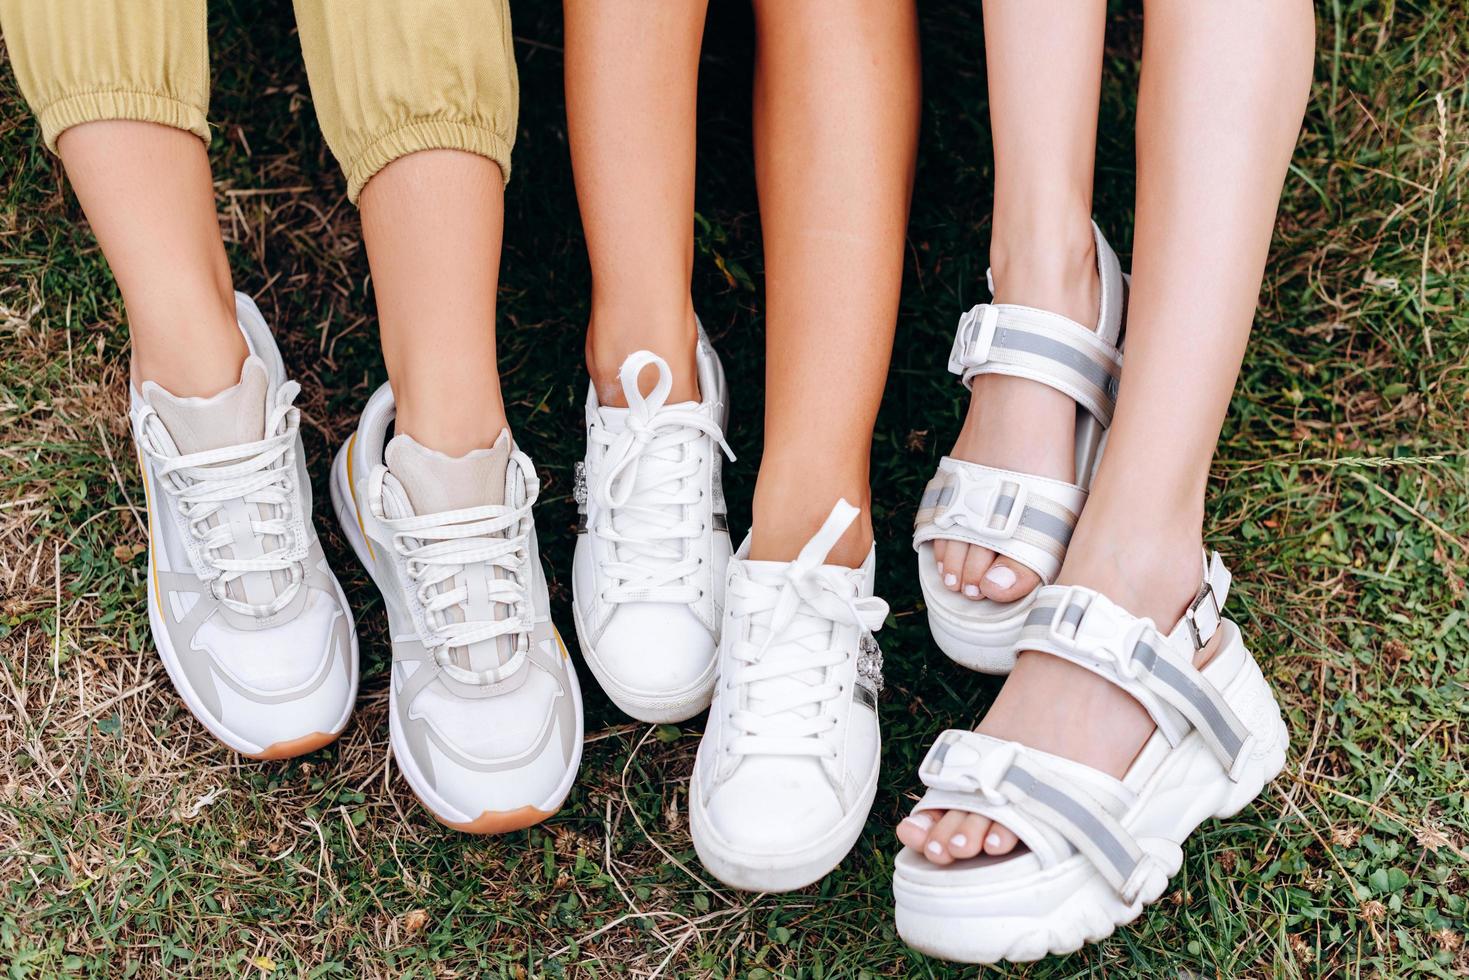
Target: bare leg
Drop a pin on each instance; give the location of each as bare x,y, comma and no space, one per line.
1041,248
1223,94
433,222
148,195
836,118
632,73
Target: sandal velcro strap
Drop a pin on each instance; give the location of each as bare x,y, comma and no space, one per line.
1024,517
1085,627
1048,348
1046,792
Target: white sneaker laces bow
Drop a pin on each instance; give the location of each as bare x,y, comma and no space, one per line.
437,548
262,473
646,488
786,676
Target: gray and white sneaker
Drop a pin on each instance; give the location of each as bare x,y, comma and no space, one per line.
249,621
484,716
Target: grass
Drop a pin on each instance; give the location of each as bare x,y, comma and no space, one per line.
132,845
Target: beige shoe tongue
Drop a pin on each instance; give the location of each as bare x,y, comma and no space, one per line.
230,418
436,483
233,417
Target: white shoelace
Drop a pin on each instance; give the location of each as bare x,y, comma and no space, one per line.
262,473
646,487
784,665
437,548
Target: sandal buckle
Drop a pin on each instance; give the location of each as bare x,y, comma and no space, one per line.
1205,599
1010,521
1059,617
973,339
992,771
1124,655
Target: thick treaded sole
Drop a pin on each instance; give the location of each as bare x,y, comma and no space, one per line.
489,821
989,648
1059,909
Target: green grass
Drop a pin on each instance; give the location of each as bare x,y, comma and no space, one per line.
130,844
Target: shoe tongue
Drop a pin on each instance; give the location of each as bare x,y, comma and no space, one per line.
436,483
615,419
230,418
233,417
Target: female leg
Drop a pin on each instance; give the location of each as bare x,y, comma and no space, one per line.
419,102
836,107
250,625
1222,97
120,91
836,113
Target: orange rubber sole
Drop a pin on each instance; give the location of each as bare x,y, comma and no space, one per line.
499,821
293,747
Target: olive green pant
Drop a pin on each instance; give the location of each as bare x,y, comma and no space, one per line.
388,76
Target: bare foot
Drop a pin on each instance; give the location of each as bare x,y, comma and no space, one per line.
1148,566
1017,424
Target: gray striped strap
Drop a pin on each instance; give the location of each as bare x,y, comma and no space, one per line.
1085,627
1001,338
1043,790
1025,517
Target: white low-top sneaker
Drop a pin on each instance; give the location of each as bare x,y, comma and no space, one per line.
787,769
249,621
484,711
653,542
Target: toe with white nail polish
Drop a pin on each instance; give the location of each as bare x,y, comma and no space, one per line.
1000,577
923,821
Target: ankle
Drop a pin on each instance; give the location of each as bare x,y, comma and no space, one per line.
1145,559
198,354
1050,265
789,509
614,335
450,425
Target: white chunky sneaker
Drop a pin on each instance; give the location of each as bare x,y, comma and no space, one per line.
1097,849
787,769
249,621
1020,515
653,542
484,711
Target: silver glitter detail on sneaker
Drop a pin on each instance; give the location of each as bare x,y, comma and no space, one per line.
579,484
869,664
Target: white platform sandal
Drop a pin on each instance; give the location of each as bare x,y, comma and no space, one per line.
1097,849
1025,517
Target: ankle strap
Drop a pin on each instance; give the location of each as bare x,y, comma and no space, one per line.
1039,346
1086,628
